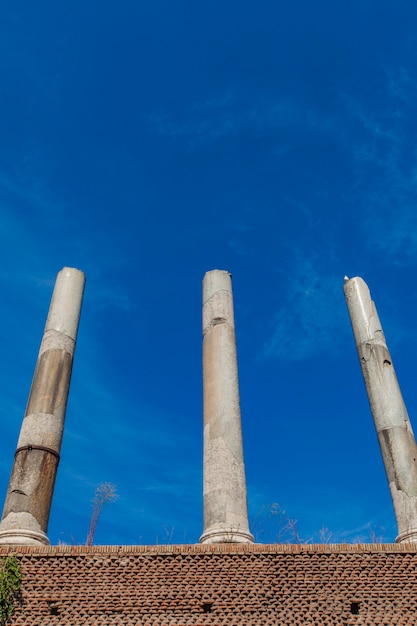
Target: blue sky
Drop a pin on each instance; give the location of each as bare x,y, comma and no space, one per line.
148,142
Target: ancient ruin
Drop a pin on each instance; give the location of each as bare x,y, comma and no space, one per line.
29,496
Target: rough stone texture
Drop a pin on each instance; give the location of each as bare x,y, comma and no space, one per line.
395,435
217,585
64,312
225,503
29,496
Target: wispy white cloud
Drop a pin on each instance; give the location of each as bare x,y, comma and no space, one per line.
386,164
401,84
109,297
26,188
116,437
309,320
227,114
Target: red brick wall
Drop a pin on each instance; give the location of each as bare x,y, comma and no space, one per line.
217,585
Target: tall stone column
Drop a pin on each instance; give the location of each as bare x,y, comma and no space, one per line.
225,503
29,497
395,435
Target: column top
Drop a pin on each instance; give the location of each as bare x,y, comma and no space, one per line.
216,280
65,308
363,314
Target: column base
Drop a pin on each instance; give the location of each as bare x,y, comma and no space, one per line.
409,536
226,535
22,529
23,538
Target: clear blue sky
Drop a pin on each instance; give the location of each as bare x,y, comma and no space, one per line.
146,142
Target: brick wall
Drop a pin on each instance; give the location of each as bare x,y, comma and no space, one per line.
337,585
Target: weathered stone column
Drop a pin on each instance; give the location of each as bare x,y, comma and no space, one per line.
28,501
225,503
395,435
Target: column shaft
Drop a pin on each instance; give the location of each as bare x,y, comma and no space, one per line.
225,502
395,435
29,497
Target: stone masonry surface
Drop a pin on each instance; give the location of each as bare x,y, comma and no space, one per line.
233,584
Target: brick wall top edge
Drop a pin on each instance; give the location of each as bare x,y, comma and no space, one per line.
224,548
